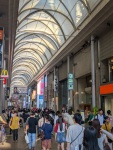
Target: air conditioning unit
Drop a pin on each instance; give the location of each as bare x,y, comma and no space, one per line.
88,90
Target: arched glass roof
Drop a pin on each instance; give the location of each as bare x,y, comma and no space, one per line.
43,27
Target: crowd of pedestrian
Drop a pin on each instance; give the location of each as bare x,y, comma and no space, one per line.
71,132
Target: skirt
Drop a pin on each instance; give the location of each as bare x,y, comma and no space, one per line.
60,137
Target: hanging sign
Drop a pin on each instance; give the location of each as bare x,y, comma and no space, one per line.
4,81
1,34
70,81
1,46
4,74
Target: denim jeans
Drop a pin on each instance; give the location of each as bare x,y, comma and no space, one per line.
32,140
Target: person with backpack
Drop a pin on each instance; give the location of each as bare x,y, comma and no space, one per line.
75,134
47,129
100,116
60,129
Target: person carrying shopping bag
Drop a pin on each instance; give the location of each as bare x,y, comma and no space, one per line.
31,126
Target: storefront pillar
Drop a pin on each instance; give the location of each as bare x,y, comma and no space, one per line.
98,73
93,70
1,95
55,88
69,91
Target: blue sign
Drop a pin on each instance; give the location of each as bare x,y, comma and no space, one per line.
41,96
70,81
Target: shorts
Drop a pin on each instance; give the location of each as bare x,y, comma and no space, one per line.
60,138
46,144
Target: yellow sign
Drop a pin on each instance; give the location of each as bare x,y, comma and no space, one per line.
4,74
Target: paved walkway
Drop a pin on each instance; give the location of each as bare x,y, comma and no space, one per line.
21,145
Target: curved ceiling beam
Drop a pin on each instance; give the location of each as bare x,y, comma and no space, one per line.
87,7
43,24
38,35
17,83
19,80
22,72
33,64
20,77
37,51
32,55
16,60
46,10
35,43
68,13
23,59
49,15
28,72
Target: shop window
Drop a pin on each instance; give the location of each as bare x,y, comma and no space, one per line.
88,81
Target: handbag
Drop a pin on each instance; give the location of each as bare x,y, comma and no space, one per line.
109,140
78,147
27,138
41,134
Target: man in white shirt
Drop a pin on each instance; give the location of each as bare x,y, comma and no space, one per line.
100,116
75,133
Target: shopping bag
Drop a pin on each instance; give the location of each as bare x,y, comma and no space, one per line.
26,139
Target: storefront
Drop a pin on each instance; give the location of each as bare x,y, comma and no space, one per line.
106,92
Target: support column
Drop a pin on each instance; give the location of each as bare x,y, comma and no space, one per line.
99,101
68,71
55,80
93,70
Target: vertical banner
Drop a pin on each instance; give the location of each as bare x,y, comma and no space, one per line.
70,81
1,47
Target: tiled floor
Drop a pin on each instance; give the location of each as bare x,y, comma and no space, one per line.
21,145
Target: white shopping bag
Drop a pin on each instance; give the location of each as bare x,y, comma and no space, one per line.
26,139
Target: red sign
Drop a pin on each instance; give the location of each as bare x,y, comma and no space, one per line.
106,89
4,81
1,34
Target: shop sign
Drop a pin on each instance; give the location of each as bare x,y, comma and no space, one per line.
106,89
4,74
1,47
70,81
1,34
